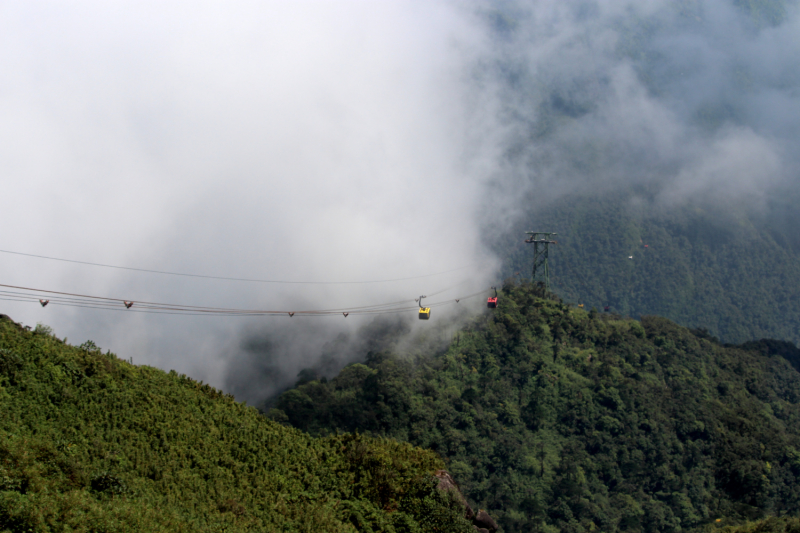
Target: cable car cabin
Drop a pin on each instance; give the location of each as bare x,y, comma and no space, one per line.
491,302
424,313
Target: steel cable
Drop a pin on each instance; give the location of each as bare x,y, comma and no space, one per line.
48,297
225,278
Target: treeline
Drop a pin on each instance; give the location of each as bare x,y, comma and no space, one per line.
89,442
557,419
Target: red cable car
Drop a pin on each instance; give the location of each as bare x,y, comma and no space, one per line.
491,302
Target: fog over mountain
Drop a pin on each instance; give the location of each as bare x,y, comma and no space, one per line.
300,142
693,101
355,141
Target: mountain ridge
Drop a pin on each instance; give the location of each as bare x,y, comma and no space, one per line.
555,418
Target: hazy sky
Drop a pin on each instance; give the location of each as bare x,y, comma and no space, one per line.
321,141
352,141
698,100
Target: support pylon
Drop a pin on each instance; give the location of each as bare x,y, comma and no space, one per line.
541,242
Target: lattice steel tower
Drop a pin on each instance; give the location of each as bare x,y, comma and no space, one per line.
541,248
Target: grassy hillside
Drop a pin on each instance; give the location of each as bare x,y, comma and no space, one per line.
558,419
89,442
737,277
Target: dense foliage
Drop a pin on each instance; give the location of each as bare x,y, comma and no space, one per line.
557,419
737,276
89,442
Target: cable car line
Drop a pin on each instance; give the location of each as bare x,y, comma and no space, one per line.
251,280
105,301
168,311
195,312
27,294
126,310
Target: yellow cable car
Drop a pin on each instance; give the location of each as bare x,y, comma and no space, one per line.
424,312
580,305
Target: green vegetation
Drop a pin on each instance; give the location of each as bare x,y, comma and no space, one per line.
557,419
737,277
89,442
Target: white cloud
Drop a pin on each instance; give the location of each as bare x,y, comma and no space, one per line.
296,141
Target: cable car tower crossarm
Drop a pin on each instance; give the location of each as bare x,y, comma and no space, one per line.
541,242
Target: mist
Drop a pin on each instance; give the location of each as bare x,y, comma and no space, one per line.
355,142
321,142
673,102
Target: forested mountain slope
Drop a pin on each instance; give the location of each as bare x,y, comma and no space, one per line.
558,419
89,442
737,276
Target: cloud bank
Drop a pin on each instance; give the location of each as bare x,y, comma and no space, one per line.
693,101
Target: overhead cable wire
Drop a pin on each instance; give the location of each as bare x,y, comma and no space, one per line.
105,301
191,311
225,278
65,296
206,312
27,294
